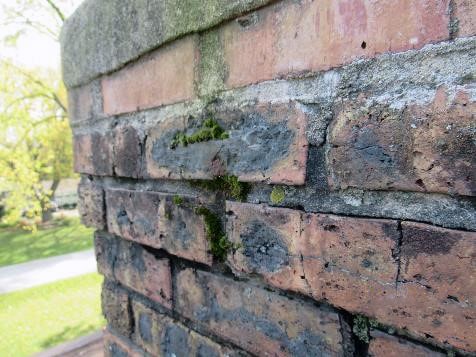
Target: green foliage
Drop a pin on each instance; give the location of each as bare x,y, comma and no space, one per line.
35,319
277,195
210,130
361,328
177,200
229,185
35,137
219,243
62,237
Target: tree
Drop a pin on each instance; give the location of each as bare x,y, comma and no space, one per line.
35,137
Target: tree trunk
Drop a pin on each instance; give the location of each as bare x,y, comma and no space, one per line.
47,210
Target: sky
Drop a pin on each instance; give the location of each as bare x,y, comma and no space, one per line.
33,49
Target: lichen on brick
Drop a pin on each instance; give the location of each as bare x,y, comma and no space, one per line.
277,195
361,328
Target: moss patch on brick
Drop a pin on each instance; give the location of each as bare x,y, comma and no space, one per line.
210,130
277,195
229,185
177,200
219,243
361,328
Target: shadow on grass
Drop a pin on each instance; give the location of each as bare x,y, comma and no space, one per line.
69,333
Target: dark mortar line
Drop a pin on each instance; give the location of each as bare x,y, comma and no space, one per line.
453,24
348,340
132,322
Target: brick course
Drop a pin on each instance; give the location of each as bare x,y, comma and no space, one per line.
278,178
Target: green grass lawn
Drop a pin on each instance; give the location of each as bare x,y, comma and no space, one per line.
65,236
42,317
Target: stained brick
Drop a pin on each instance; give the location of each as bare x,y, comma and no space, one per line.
259,321
160,335
93,154
154,219
267,142
166,76
91,204
439,259
117,347
353,264
115,307
383,345
127,148
134,267
419,148
465,14
295,37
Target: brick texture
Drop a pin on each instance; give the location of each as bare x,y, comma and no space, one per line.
353,263
115,346
93,154
164,77
465,14
419,148
134,267
295,37
383,345
154,219
91,205
256,320
248,152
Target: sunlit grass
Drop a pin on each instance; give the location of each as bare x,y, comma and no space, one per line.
42,317
64,236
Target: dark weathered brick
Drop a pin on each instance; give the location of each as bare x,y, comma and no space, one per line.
93,154
115,346
115,307
160,335
257,320
91,204
134,267
353,264
266,143
127,157
427,148
154,219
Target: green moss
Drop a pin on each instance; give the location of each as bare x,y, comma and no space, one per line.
219,243
361,328
210,130
229,185
277,195
177,200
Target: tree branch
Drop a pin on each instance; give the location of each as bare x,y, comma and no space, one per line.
56,9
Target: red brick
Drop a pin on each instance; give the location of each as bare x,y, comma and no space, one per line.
294,37
352,263
257,320
80,103
166,76
160,335
115,346
91,204
153,219
267,142
93,154
439,259
420,148
134,267
465,13
383,345
127,149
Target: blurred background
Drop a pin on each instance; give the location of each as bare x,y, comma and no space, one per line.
49,291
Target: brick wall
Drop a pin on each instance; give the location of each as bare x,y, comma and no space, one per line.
279,178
